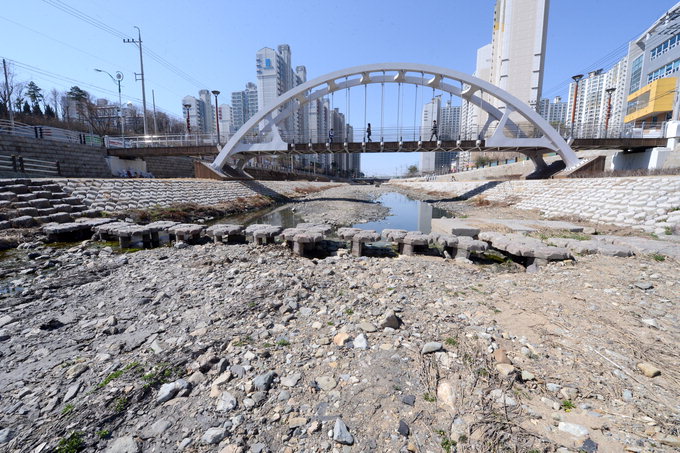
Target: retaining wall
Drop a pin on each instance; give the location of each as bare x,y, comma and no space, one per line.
120,194
650,203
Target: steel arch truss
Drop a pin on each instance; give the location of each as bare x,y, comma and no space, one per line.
443,79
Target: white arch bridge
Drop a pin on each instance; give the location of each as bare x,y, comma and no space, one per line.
513,126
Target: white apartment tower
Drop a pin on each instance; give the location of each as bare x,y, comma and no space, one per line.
244,105
430,113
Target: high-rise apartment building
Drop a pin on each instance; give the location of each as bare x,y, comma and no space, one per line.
226,121
244,104
593,100
654,61
554,112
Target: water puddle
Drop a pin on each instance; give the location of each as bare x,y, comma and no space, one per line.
405,214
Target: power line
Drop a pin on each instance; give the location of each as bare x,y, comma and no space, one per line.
102,26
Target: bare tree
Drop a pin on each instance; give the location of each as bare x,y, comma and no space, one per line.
53,99
11,89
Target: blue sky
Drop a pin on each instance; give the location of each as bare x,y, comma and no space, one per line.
212,44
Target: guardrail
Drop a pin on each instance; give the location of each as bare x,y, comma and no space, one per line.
20,164
49,133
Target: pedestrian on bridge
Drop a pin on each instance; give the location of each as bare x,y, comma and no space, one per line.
434,131
331,133
368,132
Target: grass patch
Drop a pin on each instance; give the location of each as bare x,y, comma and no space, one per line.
451,341
116,374
446,443
120,405
429,397
246,341
67,409
668,230
349,312
71,444
104,434
283,343
658,257
562,234
567,405
158,377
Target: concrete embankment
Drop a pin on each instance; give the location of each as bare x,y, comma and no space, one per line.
648,203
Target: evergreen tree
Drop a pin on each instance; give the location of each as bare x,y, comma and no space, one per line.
36,110
34,93
27,108
49,111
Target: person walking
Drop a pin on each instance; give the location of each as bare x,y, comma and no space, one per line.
331,133
368,132
434,131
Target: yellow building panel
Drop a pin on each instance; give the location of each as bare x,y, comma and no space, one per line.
652,99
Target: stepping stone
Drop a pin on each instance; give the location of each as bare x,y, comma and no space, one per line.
348,233
414,242
301,240
187,232
25,221
360,239
227,233
160,231
455,227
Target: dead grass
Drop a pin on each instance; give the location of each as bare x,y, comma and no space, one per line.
481,201
311,190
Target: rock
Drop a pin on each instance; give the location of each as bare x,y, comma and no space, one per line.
648,369
168,391
430,347
627,395
505,369
127,444
214,436
367,327
409,400
291,380
76,370
527,376
296,422
552,387
650,322
361,342
264,381
341,338
644,285
6,434
4,335
340,433
569,393
500,355
391,320
573,429
158,428
7,319
403,428
226,402
258,448
446,396
673,441
326,383
72,391
588,446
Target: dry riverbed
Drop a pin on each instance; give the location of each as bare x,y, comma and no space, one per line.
238,348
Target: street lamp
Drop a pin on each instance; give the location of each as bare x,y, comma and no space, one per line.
609,109
118,79
188,107
217,116
576,79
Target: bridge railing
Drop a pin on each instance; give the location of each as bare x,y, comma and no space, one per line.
151,141
49,133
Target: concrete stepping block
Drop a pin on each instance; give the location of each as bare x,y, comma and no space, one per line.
5,224
591,247
17,188
467,245
226,232
5,204
8,196
66,231
71,200
64,207
455,227
322,228
393,235
536,252
360,239
160,233
414,242
47,211
301,240
262,236
59,217
348,233
20,204
42,193
25,221
187,232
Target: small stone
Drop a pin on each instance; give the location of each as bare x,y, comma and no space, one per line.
673,441
569,393
214,436
168,391
505,369
588,446
648,369
409,400
552,387
340,433
627,395
361,342
644,285
430,347
403,428
6,434
500,355
326,383
412,447
226,402
264,381
297,422
527,376
390,320
291,380
573,429
650,322
157,428
341,338
72,391
368,327
7,319
126,444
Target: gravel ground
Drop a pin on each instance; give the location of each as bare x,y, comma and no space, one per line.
238,348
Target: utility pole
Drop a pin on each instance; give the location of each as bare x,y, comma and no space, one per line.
609,109
141,76
9,101
576,79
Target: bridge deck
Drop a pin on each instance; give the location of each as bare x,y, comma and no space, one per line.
387,147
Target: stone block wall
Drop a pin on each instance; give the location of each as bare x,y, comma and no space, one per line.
170,167
650,203
76,160
120,194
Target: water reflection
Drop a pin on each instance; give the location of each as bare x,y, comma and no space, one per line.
405,214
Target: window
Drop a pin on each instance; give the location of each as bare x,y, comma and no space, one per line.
636,74
665,46
663,71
